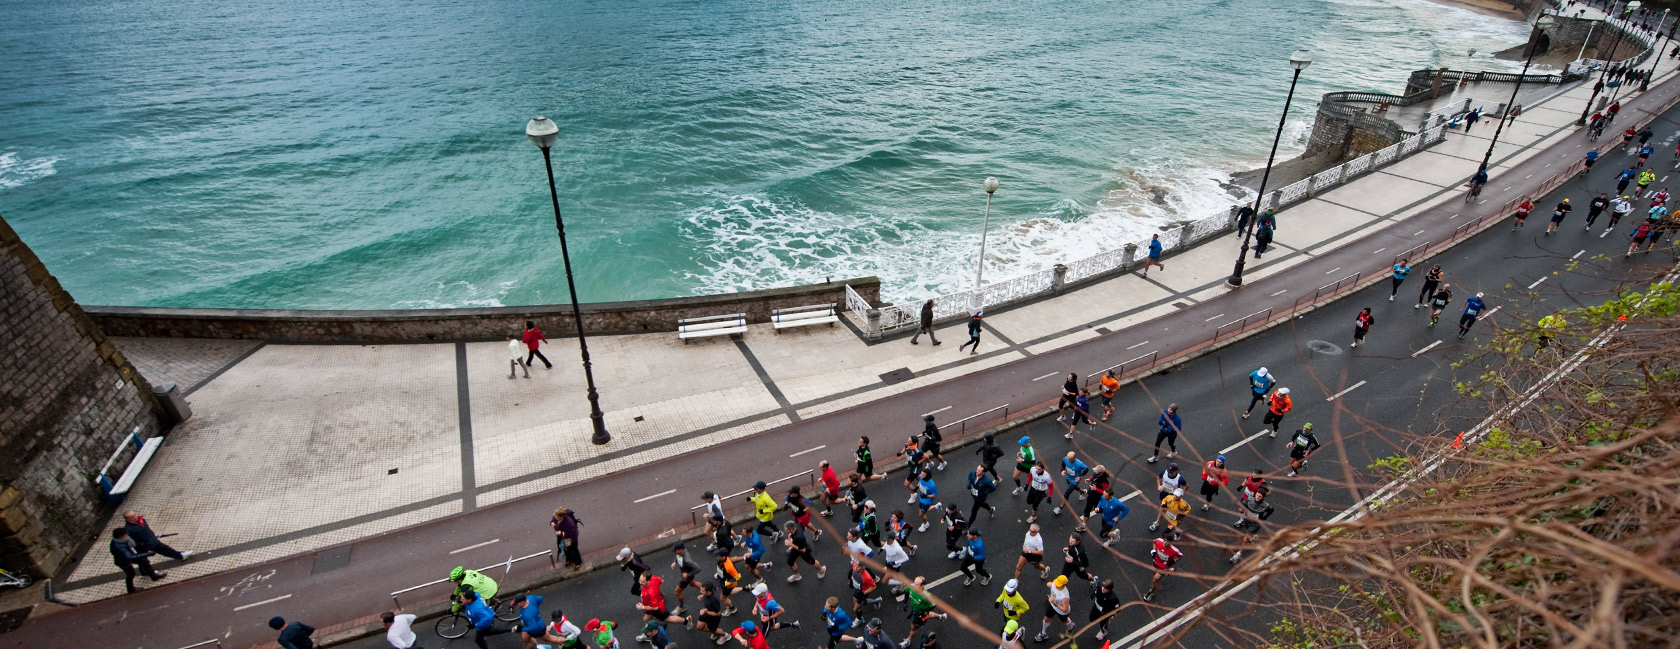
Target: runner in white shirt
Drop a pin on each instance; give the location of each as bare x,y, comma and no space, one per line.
1061,605
1170,480
1032,553
856,546
399,630
1038,489
893,554
562,633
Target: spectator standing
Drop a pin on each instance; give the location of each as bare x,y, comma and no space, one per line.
534,338
565,524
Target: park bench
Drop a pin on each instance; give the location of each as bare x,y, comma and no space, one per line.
717,325
144,449
801,316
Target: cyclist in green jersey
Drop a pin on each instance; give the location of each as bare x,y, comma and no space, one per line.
473,580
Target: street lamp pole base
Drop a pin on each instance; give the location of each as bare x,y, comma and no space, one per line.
1236,278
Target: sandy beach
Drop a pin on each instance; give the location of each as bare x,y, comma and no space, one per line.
1494,8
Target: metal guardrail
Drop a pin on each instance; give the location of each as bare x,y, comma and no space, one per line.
506,565
1152,356
964,421
1243,323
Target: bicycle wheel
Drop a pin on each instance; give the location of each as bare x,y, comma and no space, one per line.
506,612
453,626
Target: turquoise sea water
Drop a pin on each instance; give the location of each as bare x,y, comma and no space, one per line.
311,154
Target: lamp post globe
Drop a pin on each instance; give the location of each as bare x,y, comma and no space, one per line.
977,299
1300,59
542,131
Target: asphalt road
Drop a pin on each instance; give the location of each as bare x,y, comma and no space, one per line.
352,581
1390,395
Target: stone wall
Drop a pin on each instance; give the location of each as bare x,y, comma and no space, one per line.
1347,134
555,320
67,396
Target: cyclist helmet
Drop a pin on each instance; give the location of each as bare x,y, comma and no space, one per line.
457,574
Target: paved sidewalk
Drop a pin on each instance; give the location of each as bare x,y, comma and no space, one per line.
348,441
385,392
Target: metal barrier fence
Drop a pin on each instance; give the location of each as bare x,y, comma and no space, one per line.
1242,323
964,421
1136,364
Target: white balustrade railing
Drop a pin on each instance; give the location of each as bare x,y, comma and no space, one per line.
1385,155
856,304
1356,166
1294,192
1327,178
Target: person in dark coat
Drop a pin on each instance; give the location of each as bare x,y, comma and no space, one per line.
565,524
145,540
973,333
133,562
1244,215
926,325
294,635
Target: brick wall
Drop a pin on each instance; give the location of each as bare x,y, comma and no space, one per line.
61,412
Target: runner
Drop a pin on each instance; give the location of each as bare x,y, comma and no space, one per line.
1095,488
1165,555
1642,232
898,529
1075,563
749,635
728,583
1039,488
1061,605
1646,177
863,585
754,557
1070,391
1025,458
981,484
1595,208
1645,152
1113,511
1401,269
800,507
990,453
1562,210
912,455
1013,633
629,560
1592,156
831,488
1522,213
1081,412
927,497
973,333
921,609
1438,302
931,439
1431,279
530,625
855,495
1622,179
1169,480
1073,472
1362,325
869,525
973,556
603,630
1214,476
764,508
1108,385
1013,605
955,525
562,633
652,603
1260,384
1619,207
1301,446
1171,425
866,461
1251,511
689,574
1173,510
837,623
1472,311
855,545
1627,138
768,611
1032,554
1660,197
1279,405
1154,255
1103,603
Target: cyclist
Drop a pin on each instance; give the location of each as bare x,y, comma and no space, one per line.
1481,178
1439,301
473,581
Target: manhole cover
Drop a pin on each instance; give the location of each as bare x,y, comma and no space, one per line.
899,375
1324,347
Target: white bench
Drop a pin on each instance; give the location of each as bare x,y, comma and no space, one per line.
144,449
717,325
801,316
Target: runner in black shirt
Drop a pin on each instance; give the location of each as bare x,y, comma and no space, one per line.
989,454
799,548
866,460
931,439
1103,602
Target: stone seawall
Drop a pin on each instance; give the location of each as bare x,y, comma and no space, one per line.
67,398
642,316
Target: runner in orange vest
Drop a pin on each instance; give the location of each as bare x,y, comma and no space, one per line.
1278,406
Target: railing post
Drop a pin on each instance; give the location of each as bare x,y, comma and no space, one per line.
873,327
1129,256
1059,280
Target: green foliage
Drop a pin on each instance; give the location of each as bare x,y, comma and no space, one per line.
1392,466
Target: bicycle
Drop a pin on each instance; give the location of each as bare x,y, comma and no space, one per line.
19,580
455,624
1475,190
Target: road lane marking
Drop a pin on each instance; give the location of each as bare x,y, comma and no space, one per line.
480,545
1454,216
1506,189
644,499
1421,351
1528,176
1536,283
942,580
1489,314
1135,493
1419,232
1217,316
266,601
1379,250
1606,233
811,450
1349,389
1332,270
1548,164
936,411
1279,293
1578,254
1246,440
1137,345
1041,378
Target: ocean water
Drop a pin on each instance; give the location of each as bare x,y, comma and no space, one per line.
313,154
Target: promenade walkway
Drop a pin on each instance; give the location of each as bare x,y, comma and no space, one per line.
295,448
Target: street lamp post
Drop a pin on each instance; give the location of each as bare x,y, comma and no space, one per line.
1631,7
1602,74
1299,60
976,301
1540,25
1645,83
543,133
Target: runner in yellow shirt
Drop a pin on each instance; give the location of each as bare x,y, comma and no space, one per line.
1173,509
764,507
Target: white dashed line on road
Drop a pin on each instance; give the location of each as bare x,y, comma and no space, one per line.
1041,378
266,601
944,579
1578,254
1536,283
809,450
1332,270
644,499
936,411
1489,314
1237,445
1214,318
1528,176
475,546
1419,232
1137,345
1349,389
1279,293
1421,351
1379,250
1135,493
